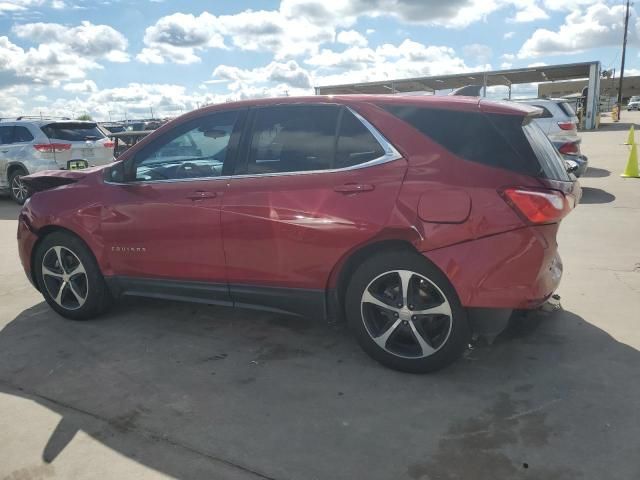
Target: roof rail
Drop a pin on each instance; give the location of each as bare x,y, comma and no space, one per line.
40,117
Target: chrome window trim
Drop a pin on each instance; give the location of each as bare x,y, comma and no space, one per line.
390,154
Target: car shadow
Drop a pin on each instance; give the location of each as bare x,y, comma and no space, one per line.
209,392
593,172
9,210
591,195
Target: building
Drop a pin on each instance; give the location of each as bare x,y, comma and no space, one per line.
608,88
586,72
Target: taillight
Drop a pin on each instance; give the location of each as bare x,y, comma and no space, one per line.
567,126
569,148
52,147
108,144
538,206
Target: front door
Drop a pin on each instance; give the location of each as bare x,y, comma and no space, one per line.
315,183
162,229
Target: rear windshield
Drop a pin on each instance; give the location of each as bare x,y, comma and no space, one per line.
73,132
491,139
567,109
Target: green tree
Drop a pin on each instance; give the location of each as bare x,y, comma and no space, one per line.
84,116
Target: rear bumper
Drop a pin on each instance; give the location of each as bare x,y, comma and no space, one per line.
519,269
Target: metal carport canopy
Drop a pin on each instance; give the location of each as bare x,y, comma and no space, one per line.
570,71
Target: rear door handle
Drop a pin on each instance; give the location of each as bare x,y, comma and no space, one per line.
354,188
201,195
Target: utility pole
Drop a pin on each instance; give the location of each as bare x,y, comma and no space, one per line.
624,52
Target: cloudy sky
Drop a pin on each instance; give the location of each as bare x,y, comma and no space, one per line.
111,57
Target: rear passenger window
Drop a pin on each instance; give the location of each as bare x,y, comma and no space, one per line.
293,139
545,112
356,144
22,135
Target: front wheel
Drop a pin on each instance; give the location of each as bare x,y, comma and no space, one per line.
69,278
406,314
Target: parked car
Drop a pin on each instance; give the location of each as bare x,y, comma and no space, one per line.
406,216
30,145
634,103
558,120
571,151
124,140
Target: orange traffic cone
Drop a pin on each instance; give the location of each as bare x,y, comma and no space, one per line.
630,139
631,171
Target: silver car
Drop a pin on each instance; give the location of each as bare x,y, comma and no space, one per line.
558,120
31,145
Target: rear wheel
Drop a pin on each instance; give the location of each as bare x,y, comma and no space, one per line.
17,188
406,314
69,277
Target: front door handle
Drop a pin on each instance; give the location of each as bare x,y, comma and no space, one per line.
201,195
354,188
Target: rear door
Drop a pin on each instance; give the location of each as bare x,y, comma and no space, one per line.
79,141
315,183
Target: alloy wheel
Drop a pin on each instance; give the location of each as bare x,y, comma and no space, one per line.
406,314
19,189
65,278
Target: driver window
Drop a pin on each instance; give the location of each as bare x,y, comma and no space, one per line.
194,150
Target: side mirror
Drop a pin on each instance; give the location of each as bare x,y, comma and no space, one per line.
571,166
116,173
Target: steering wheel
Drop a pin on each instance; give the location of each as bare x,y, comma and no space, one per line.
188,170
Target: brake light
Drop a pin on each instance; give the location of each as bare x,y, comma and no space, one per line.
52,147
567,126
108,144
569,148
538,206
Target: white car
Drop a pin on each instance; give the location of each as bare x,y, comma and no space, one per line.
31,145
558,119
634,103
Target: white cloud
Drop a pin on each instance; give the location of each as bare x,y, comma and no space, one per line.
45,64
478,52
86,39
352,38
289,74
529,11
508,35
598,26
302,27
86,86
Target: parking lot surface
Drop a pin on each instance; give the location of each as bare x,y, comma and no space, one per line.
161,389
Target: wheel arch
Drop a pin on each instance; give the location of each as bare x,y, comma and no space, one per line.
16,166
342,272
44,232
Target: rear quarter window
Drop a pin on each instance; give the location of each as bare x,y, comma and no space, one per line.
567,109
22,135
73,132
490,139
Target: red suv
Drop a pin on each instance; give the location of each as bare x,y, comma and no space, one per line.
403,215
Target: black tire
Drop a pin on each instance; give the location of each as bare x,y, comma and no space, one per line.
16,195
73,251
381,267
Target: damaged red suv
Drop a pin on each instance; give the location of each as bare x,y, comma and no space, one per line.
406,216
